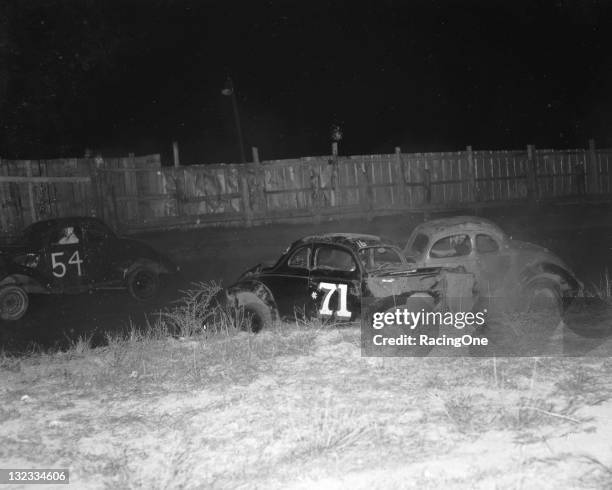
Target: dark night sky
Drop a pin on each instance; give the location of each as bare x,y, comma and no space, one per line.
121,76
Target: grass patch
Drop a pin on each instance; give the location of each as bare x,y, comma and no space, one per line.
199,312
603,290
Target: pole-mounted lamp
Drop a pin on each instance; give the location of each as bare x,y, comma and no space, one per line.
228,91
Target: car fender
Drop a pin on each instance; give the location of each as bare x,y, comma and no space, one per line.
153,265
251,291
553,272
27,283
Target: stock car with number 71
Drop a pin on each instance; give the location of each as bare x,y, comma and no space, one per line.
336,276
75,255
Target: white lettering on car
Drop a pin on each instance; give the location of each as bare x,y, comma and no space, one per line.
331,288
74,259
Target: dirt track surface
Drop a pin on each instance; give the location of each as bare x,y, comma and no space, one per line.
169,414
581,236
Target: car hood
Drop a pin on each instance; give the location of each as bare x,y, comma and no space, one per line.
403,270
14,250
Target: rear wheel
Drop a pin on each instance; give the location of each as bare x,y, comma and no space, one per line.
543,295
257,316
535,330
143,284
13,302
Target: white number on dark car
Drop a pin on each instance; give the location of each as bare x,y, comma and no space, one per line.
331,288
60,269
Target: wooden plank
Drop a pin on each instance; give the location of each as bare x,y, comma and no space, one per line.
31,192
5,218
43,180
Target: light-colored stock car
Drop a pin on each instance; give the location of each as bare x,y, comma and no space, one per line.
521,274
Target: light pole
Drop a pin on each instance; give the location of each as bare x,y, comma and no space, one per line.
229,91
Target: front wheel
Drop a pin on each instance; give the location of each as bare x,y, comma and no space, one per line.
13,303
143,284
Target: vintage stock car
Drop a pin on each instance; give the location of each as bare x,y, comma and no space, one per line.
335,276
519,273
74,255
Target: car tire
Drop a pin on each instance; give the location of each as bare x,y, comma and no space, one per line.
143,284
257,317
543,295
390,304
14,303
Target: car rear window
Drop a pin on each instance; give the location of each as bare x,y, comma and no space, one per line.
299,259
486,244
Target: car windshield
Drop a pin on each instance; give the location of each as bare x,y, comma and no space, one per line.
374,258
417,245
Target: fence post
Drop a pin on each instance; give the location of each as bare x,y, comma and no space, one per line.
532,178
315,192
4,219
333,174
255,152
473,194
31,191
246,198
365,190
175,153
95,189
399,179
592,170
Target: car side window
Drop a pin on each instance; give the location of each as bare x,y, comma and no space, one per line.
330,258
451,246
66,235
300,258
486,244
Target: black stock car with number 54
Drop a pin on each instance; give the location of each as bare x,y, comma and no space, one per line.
334,276
75,255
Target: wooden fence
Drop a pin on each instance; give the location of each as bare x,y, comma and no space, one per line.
137,193
33,190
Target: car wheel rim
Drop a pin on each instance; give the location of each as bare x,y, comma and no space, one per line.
144,284
12,304
544,299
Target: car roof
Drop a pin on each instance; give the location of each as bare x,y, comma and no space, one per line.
355,241
60,221
458,223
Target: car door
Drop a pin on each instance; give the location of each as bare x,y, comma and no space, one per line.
101,254
492,260
288,282
335,283
64,258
